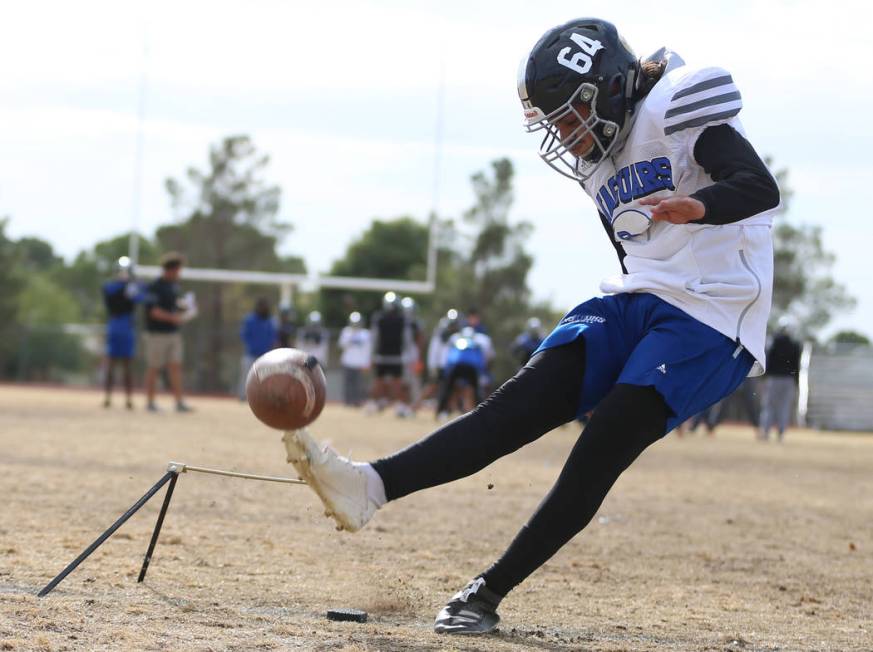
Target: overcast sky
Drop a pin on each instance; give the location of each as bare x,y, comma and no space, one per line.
343,97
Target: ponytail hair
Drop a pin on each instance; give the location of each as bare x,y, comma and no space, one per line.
650,71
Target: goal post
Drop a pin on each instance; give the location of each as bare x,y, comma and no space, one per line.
287,282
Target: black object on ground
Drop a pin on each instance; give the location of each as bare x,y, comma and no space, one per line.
353,615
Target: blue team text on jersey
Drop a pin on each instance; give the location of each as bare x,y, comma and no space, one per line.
633,182
582,319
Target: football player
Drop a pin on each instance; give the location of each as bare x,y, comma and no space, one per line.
528,342
354,342
314,338
467,359
687,203
413,343
120,297
389,342
437,350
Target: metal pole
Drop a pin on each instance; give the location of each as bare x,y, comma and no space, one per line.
803,385
133,243
108,533
286,295
157,532
179,467
433,230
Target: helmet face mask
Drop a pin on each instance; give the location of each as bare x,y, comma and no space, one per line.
579,71
558,152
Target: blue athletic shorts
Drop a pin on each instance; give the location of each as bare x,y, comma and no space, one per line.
639,339
120,342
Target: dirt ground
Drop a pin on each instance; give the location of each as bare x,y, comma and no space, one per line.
704,544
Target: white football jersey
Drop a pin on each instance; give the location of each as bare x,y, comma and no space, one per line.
720,275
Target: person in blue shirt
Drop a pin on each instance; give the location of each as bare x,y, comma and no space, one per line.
120,296
467,361
258,334
528,342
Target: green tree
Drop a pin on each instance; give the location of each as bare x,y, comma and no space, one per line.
850,337
491,271
499,262
227,219
803,286
390,249
42,301
45,311
11,284
36,255
35,312
481,263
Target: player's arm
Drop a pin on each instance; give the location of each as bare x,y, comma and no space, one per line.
159,314
743,185
134,292
698,115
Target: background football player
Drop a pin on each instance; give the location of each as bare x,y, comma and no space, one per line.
389,341
120,296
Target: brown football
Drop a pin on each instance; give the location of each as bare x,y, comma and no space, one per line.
286,389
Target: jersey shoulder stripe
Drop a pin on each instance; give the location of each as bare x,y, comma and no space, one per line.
703,86
700,97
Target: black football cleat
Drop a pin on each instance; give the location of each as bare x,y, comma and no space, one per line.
473,610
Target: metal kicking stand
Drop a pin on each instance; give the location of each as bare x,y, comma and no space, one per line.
171,476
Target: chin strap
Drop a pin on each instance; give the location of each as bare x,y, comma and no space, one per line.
634,91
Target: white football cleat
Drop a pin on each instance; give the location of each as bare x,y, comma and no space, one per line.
340,484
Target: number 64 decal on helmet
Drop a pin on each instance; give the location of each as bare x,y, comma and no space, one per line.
580,75
580,61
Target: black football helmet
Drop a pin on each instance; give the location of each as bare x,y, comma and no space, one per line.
582,62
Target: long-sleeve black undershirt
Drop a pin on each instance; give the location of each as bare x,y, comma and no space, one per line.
743,186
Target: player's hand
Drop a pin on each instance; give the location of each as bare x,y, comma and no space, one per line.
675,209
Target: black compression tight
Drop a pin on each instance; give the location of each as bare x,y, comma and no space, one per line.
540,397
627,420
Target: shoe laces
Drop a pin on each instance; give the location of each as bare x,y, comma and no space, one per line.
471,589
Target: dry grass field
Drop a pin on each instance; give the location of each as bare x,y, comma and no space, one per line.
704,544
